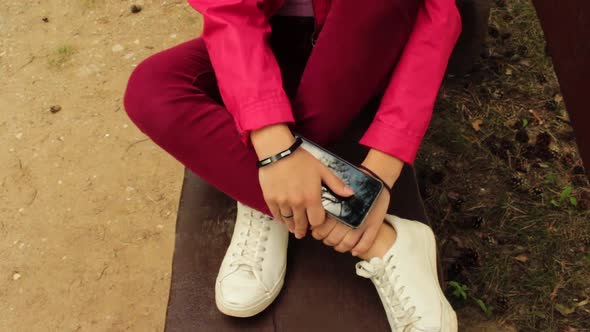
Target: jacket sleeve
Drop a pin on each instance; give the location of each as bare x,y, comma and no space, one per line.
237,34
406,108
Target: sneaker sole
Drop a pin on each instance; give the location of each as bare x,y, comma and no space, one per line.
449,319
255,308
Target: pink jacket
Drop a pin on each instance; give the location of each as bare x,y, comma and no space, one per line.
236,34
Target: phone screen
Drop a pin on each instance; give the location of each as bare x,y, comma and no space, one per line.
353,210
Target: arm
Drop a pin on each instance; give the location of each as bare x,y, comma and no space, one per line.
237,36
406,108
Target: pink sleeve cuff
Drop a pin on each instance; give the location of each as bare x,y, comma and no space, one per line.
391,140
272,109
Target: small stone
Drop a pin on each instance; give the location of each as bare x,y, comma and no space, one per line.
173,36
45,19
117,48
135,9
128,56
16,276
19,135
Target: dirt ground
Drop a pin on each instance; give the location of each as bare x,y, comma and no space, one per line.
87,204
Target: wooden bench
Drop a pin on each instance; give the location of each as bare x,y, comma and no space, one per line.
316,273
322,292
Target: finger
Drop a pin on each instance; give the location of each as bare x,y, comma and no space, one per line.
286,211
301,223
336,235
366,241
334,183
349,241
316,213
290,225
275,211
322,231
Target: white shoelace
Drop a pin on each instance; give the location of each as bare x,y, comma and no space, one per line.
251,242
381,273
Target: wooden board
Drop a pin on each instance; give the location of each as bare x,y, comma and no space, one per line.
321,293
567,29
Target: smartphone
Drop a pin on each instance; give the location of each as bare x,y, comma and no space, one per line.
351,211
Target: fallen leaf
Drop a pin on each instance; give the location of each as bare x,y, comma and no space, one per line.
526,63
477,124
582,303
458,241
523,258
558,285
537,117
558,98
571,329
564,310
508,72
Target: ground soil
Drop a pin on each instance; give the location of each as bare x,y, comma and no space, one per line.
88,204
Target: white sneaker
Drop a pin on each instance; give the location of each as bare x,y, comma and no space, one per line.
253,269
407,281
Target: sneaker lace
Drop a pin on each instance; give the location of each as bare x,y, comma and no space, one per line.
252,241
382,274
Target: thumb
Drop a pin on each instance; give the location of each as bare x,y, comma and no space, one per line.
335,184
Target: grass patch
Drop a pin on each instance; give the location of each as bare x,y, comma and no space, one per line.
88,4
511,214
61,56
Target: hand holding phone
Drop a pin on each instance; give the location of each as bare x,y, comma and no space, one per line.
351,211
292,189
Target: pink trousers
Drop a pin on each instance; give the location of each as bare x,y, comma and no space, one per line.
173,97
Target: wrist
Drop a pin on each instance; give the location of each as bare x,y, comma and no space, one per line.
386,166
271,139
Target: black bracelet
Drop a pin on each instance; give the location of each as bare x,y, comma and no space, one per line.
363,167
280,155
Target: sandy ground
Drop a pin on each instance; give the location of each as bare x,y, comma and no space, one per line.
87,204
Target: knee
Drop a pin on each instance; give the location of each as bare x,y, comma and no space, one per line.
136,93
139,93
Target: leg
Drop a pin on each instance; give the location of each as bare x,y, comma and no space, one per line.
349,65
352,61
173,98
